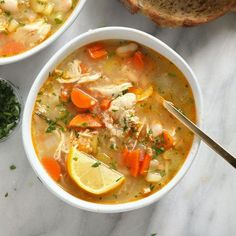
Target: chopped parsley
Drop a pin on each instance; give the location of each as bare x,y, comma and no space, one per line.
58,21
75,158
6,194
51,126
151,186
9,109
172,74
12,167
84,124
113,146
162,173
118,179
157,151
96,164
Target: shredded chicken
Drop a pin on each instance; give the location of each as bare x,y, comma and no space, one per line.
112,90
73,74
9,5
32,34
58,152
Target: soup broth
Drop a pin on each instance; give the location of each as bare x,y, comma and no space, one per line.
103,101
26,23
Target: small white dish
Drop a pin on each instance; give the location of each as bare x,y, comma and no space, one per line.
48,41
84,39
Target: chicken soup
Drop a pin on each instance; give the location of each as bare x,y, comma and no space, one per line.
99,127
26,23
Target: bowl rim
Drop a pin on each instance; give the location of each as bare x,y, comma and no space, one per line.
86,38
49,40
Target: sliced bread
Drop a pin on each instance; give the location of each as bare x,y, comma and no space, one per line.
172,13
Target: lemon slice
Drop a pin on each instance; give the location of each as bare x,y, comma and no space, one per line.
92,175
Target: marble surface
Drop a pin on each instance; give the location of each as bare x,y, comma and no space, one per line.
203,203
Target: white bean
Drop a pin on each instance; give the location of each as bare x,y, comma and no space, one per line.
156,129
153,177
126,50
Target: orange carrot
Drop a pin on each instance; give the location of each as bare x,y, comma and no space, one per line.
134,159
145,165
138,60
82,99
125,157
97,51
83,68
168,140
84,121
52,167
12,48
105,104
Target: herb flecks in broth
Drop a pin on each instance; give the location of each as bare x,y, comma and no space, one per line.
98,114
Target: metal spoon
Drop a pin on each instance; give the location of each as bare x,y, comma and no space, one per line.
203,136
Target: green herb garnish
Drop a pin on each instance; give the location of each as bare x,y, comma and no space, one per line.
12,167
9,109
84,124
171,74
96,164
58,21
6,195
151,186
113,146
157,150
51,126
118,179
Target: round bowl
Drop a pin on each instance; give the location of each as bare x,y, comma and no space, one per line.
48,41
19,100
84,39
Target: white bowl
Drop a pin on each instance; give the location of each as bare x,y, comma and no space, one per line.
86,38
48,41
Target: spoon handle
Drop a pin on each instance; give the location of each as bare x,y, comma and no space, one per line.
209,141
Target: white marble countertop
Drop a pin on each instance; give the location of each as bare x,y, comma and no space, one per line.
203,203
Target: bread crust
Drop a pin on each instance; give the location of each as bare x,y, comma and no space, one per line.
166,20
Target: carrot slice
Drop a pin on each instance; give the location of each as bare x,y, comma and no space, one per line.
82,99
52,167
85,120
105,104
138,60
168,140
97,51
125,157
134,159
12,48
145,165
